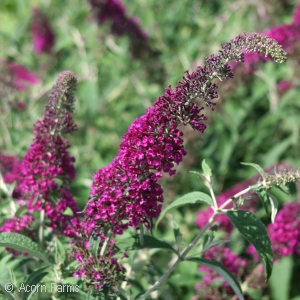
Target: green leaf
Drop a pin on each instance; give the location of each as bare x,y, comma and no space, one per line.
177,234
222,270
190,198
22,243
8,295
257,167
94,245
13,280
68,212
70,281
254,293
209,236
133,243
274,207
283,189
5,266
92,295
281,279
33,280
206,169
263,196
60,251
251,227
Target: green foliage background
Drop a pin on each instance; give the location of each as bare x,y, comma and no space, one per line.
252,121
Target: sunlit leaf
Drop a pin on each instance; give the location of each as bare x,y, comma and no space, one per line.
251,227
222,270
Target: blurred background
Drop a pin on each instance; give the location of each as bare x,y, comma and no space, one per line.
124,57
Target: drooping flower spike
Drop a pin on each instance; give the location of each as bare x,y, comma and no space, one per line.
126,192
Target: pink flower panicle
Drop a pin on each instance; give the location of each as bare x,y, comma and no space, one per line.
21,76
9,168
296,16
17,224
47,168
285,232
42,32
114,11
14,79
102,271
284,85
126,192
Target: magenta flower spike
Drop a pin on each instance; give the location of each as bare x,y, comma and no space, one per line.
296,16
21,76
42,33
126,192
47,168
114,11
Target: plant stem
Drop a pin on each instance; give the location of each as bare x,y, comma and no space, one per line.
215,207
238,195
180,258
105,244
42,217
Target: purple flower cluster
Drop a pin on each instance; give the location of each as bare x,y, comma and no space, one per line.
284,85
126,192
21,76
20,225
14,79
114,11
285,232
103,271
17,224
42,32
9,168
296,16
47,169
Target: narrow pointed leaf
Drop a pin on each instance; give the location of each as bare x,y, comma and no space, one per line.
8,295
190,198
60,251
222,270
94,245
257,167
206,169
274,207
151,242
33,280
263,196
22,243
251,227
